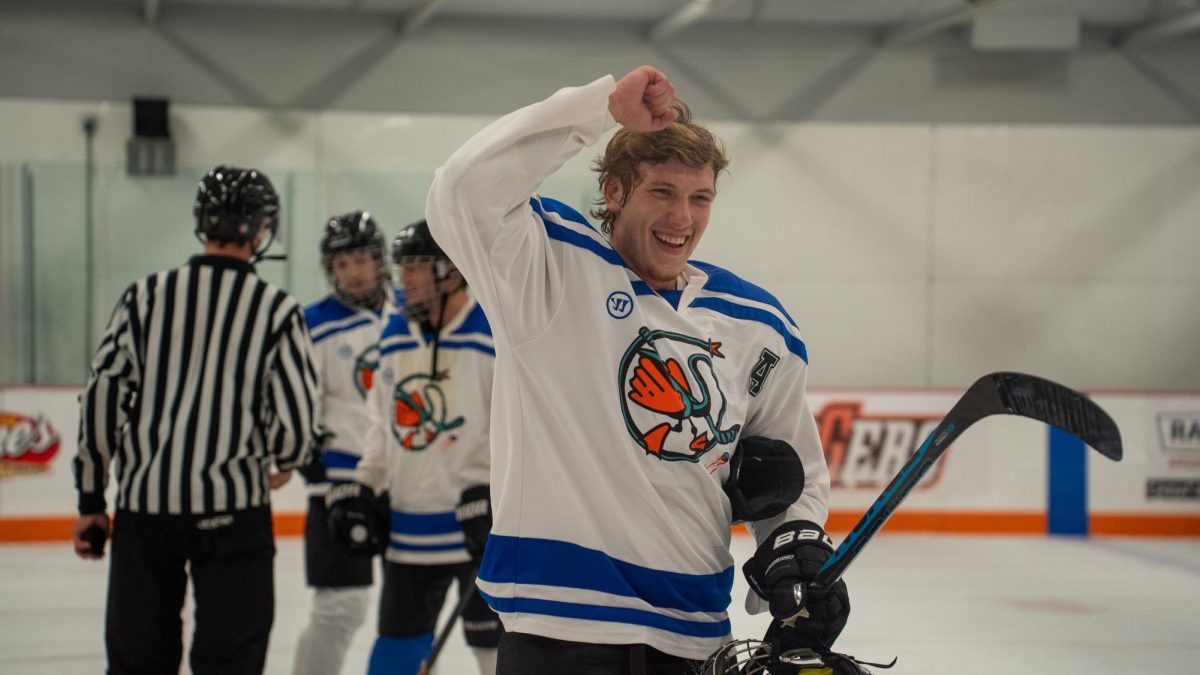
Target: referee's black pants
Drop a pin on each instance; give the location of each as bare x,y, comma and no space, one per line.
230,558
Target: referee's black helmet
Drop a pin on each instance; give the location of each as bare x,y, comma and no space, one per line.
233,204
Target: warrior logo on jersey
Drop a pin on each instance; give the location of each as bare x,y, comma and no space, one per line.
420,412
365,365
666,394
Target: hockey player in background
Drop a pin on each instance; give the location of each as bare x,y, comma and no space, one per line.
203,381
345,328
427,444
626,378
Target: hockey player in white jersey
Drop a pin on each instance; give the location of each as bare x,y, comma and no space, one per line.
627,378
345,328
427,444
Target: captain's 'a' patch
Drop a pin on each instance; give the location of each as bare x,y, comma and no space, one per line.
758,374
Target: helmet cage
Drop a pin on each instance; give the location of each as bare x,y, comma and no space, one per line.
415,245
422,300
349,232
739,657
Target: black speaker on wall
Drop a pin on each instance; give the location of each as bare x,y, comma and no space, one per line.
150,151
150,118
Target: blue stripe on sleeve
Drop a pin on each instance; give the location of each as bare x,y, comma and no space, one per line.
384,350
476,322
569,236
325,310
467,344
641,288
745,313
545,204
323,334
547,562
721,280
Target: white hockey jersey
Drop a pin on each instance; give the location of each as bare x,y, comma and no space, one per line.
345,353
615,407
428,436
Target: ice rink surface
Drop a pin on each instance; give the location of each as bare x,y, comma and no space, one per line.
942,604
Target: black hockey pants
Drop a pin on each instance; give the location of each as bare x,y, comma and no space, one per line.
230,558
522,654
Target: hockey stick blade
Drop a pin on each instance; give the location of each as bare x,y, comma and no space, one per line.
995,394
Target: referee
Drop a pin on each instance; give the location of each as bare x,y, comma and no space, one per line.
202,381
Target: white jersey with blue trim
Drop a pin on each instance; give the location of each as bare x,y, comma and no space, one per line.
616,407
345,352
428,436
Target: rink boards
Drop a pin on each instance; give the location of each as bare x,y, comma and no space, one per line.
1004,476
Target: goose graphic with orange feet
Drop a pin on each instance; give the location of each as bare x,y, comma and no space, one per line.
681,394
419,412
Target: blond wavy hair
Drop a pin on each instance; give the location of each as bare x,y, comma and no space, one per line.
683,139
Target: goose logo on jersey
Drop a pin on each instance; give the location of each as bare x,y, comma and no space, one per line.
420,412
666,394
365,365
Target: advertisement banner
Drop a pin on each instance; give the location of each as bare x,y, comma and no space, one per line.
1173,469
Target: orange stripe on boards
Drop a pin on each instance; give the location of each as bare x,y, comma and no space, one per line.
58,528
36,529
950,522
288,524
1119,524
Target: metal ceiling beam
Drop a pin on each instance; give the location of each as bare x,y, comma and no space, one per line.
419,16
1164,29
683,17
150,10
923,28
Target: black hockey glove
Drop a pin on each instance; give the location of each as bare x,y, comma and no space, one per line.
314,470
780,572
474,514
766,476
356,523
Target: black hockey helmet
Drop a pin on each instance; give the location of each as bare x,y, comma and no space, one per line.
415,245
354,231
350,231
233,204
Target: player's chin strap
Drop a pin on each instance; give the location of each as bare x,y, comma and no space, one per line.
443,298
754,657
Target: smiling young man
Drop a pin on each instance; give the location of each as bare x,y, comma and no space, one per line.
610,546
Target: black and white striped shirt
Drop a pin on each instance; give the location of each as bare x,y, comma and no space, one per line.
203,378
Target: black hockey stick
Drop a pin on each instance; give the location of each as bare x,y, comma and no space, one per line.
994,394
444,634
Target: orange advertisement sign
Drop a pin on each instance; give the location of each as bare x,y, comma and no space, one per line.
27,444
